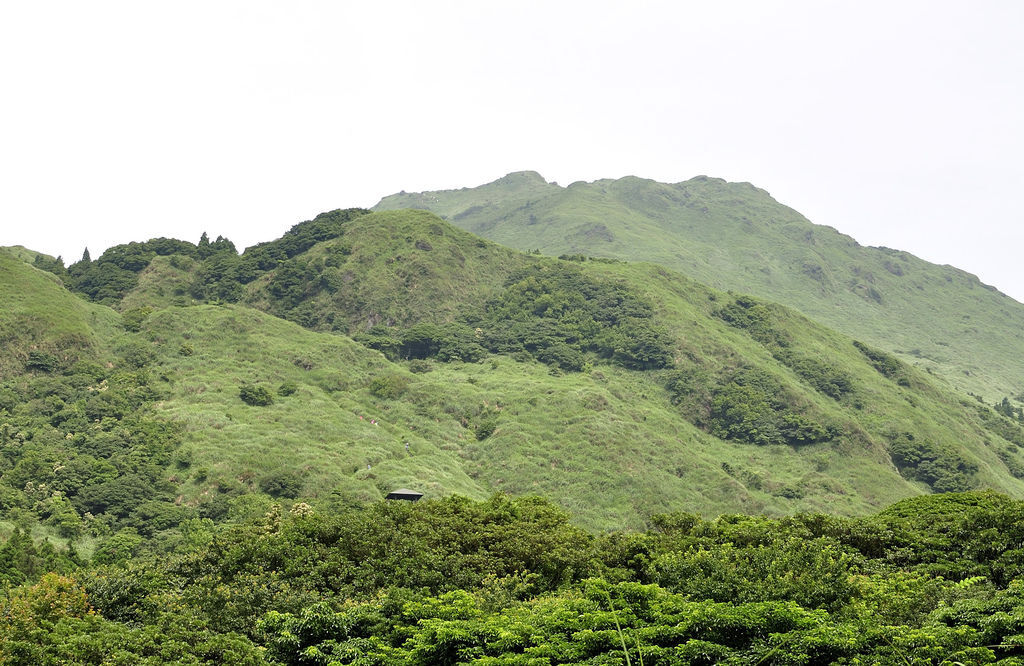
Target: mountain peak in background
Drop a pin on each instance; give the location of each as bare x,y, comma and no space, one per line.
735,236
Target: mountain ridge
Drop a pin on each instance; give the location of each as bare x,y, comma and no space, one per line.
734,236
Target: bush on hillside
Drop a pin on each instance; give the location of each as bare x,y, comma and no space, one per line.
257,396
941,467
282,484
136,354
132,319
445,342
756,319
389,387
886,364
754,407
823,376
41,361
485,428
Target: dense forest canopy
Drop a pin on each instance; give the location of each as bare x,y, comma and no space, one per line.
511,581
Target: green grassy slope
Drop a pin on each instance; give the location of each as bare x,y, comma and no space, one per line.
735,236
607,443
756,409
390,268
324,432
38,315
612,444
23,253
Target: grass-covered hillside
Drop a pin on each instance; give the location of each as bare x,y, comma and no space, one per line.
388,269
41,323
735,236
418,355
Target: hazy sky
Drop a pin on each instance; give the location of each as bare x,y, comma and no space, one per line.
900,123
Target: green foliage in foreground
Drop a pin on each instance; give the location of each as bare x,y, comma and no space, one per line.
928,581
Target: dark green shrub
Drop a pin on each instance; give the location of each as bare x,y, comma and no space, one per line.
137,354
941,467
84,373
756,319
445,342
823,376
132,319
118,548
51,265
42,361
1005,428
282,484
214,508
117,496
155,516
886,364
216,278
485,428
744,413
293,283
641,346
383,339
689,388
754,407
257,396
563,356
558,314
287,388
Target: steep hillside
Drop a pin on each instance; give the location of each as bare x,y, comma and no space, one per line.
735,236
616,389
392,269
41,324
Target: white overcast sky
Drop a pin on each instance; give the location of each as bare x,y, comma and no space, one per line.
900,123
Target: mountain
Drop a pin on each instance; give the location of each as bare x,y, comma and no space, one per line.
193,444
734,236
362,352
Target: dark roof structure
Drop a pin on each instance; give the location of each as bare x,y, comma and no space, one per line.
404,494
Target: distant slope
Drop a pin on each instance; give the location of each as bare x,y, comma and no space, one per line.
23,253
735,236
